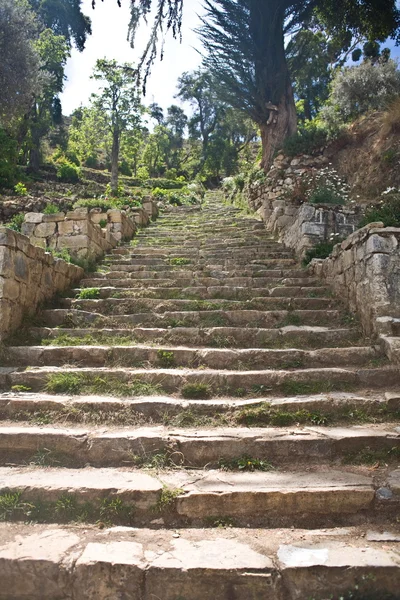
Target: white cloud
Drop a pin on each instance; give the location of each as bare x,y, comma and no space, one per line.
109,39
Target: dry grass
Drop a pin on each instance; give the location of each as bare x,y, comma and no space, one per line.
391,118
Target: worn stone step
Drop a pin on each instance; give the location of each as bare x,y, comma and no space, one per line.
202,382
218,318
339,408
179,356
270,499
145,279
223,337
273,448
204,293
47,562
132,306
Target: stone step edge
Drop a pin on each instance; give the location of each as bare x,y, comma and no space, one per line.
187,447
291,565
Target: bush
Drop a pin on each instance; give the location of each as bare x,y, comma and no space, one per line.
20,189
356,90
387,211
51,209
8,159
167,184
91,162
125,169
321,250
142,173
15,223
67,171
306,140
325,195
170,174
176,198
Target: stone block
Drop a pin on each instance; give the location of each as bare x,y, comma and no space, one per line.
28,229
114,215
40,242
45,229
66,228
34,218
379,244
77,214
316,229
73,242
54,218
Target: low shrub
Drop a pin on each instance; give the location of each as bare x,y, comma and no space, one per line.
387,210
166,184
325,195
67,171
305,141
51,209
321,250
20,189
91,162
391,118
124,168
15,223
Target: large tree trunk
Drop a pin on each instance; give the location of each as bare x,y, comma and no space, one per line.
281,123
114,162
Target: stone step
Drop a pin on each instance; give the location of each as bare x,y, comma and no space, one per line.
222,337
266,449
336,408
183,280
47,562
200,383
205,293
217,318
268,499
135,306
180,356
225,264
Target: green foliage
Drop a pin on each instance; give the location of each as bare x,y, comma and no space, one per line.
245,463
356,90
67,171
16,222
167,499
76,383
321,250
166,358
20,189
125,169
306,141
165,184
387,211
179,262
325,195
89,294
51,209
8,159
196,391
175,198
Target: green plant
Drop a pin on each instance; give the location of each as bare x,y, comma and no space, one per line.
20,189
321,250
81,383
166,358
67,171
306,140
20,388
196,391
11,506
44,458
89,294
167,499
325,195
103,223
15,222
245,463
179,261
387,210
51,209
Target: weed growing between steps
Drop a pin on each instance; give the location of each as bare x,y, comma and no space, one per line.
369,456
89,294
88,340
77,383
166,502
245,463
258,415
66,509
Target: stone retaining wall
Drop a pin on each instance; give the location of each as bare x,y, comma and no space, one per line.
299,225
28,277
364,271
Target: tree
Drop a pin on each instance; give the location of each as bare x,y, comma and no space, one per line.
119,104
87,134
19,65
46,107
199,89
245,41
64,17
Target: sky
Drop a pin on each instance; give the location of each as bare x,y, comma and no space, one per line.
110,27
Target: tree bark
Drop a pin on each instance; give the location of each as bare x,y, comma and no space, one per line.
282,123
114,162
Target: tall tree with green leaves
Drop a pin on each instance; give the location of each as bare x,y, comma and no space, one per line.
119,104
46,107
64,17
245,44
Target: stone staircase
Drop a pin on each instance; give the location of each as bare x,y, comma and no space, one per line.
200,420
